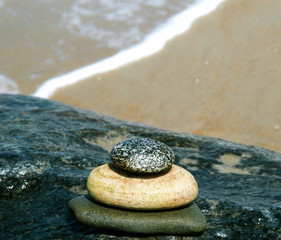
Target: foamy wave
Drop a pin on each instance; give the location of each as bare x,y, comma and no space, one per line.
98,20
152,44
106,12
7,85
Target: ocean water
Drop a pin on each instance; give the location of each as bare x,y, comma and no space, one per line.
49,44
7,85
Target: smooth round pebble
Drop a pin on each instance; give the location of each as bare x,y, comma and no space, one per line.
188,220
112,186
142,155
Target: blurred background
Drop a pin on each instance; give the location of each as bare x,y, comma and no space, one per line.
221,78
41,39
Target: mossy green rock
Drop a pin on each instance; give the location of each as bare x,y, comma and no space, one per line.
188,220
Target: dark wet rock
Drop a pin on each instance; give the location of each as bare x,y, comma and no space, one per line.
142,155
188,220
47,150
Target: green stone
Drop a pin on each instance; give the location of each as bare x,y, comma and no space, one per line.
187,220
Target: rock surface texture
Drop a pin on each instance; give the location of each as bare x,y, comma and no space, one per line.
48,149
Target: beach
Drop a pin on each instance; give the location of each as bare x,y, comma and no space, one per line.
222,78
52,38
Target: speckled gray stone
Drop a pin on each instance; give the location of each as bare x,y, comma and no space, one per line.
142,155
187,220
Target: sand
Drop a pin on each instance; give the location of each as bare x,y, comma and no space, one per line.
222,78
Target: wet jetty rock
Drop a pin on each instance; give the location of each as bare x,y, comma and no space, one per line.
48,149
141,192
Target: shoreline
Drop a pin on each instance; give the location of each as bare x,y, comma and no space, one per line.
152,44
220,79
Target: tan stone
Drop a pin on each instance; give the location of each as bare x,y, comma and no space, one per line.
118,188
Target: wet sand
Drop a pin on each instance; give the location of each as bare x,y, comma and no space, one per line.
39,47
52,38
222,78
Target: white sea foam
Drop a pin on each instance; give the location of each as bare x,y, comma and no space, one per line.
152,43
7,85
117,24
